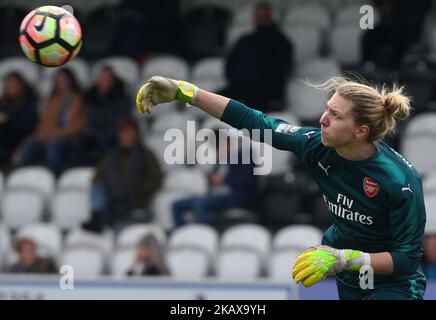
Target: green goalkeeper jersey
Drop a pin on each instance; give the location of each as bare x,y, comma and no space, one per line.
375,205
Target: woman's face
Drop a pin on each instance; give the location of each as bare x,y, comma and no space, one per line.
105,81
28,253
13,86
430,248
337,124
142,253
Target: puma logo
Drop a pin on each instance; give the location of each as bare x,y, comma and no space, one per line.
325,169
406,188
307,134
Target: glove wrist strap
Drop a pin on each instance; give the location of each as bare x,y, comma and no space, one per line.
186,92
355,259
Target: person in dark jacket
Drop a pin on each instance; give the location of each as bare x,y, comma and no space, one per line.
126,179
259,64
18,115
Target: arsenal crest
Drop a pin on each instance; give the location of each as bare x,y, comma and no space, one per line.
370,186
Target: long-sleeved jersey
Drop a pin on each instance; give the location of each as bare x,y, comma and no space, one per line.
375,205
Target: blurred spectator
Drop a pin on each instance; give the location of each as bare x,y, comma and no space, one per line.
231,185
106,104
400,26
149,259
430,257
29,261
259,64
57,136
126,179
18,115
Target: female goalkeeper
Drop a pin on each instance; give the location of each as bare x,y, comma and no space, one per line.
373,195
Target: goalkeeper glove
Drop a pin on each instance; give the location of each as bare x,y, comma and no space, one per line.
317,262
160,90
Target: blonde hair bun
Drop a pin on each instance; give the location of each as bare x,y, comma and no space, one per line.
397,104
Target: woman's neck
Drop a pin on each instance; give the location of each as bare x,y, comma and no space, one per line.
356,151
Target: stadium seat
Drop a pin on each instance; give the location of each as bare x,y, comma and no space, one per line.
88,263
47,237
188,263
318,69
78,237
162,207
28,69
6,245
243,235
304,101
34,178
171,120
306,40
80,69
280,265
129,236
121,261
157,144
70,208
238,264
21,207
313,14
208,74
296,237
79,178
430,208
345,44
199,236
168,66
417,139
2,182
186,179
429,183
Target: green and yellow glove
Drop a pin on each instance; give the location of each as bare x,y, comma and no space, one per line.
317,262
160,90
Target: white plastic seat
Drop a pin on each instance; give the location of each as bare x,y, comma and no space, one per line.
280,265
238,264
310,14
70,208
129,236
247,235
121,261
173,148
47,237
417,140
35,178
297,237
188,263
22,65
306,40
21,207
199,236
169,66
78,238
345,44
306,102
76,179
429,183
188,179
87,263
319,69
430,208
162,207
125,68
208,74
171,120
5,245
